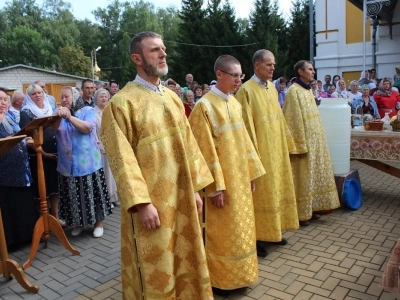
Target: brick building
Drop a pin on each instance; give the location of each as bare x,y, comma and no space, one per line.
18,77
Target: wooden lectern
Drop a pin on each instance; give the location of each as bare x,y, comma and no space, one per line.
46,222
9,266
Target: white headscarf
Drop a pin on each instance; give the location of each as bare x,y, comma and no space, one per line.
38,112
341,94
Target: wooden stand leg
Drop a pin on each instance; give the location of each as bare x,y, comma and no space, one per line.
10,267
46,223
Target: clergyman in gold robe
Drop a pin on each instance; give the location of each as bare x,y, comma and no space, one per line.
311,163
158,168
218,127
275,206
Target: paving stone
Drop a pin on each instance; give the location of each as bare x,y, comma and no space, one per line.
316,290
339,293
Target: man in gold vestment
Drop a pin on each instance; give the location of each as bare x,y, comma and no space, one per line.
311,163
218,127
275,207
158,167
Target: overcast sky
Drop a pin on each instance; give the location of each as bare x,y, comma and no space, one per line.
82,9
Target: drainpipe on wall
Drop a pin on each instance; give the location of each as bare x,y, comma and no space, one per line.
375,24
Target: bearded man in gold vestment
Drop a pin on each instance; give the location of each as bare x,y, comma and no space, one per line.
158,168
275,206
311,163
218,127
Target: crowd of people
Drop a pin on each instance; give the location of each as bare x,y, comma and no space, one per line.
368,95
254,151
80,188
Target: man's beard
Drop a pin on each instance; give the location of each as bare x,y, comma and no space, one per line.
151,70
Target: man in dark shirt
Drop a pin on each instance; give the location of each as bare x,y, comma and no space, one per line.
88,90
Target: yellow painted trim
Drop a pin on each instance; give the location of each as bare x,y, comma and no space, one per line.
354,21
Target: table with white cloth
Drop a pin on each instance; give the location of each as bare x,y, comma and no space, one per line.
374,147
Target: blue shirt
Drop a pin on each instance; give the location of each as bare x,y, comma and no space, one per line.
360,102
78,153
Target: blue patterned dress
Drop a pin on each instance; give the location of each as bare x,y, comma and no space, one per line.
83,194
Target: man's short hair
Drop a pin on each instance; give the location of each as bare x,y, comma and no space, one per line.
223,61
135,44
86,80
259,55
301,65
3,90
113,81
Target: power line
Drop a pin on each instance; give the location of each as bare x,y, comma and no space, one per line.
213,46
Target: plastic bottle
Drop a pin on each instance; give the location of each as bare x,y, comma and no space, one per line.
386,122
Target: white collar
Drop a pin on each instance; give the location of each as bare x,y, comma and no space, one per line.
219,93
149,86
259,81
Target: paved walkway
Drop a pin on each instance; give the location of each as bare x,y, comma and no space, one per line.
340,256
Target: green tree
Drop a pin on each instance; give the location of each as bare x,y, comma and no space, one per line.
191,31
169,22
22,45
73,61
267,27
299,32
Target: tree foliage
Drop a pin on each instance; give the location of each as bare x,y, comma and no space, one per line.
49,36
73,61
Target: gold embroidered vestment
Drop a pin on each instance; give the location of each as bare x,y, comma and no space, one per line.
274,199
155,159
218,127
313,175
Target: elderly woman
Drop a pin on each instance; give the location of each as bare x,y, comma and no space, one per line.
84,198
37,106
387,99
353,93
365,104
101,98
340,91
280,85
18,206
189,105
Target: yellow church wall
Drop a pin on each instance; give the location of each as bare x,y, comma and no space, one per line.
350,76
354,20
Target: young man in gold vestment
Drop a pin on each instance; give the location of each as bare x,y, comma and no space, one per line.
311,163
158,168
218,127
275,207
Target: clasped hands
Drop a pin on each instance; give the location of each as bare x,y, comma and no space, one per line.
64,113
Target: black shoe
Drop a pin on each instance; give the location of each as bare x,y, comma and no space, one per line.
219,292
315,216
261,251
281,243
304,223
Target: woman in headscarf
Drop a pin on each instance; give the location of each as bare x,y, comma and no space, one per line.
84,198
19,210
38,106
387,99
101,98
340,91
366,103
280,85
